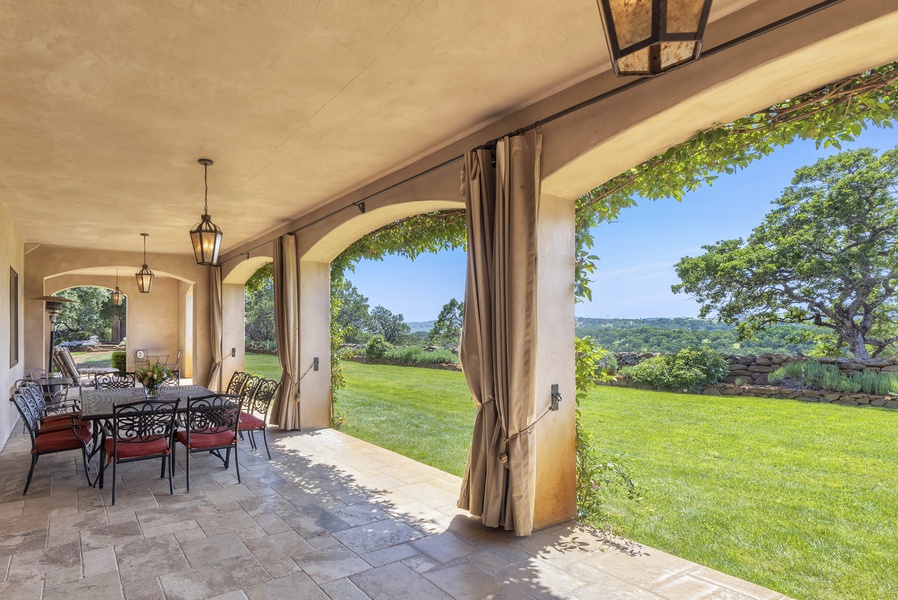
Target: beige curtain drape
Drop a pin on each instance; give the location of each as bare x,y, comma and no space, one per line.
498,335
215,330
285,410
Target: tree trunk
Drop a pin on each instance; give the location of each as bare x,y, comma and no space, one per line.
857,346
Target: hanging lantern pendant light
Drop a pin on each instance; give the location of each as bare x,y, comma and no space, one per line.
144,276
117,296
206,235
648,37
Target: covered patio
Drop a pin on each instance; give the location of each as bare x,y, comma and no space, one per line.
330,516
325,122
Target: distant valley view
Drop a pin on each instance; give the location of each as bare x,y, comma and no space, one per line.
668,335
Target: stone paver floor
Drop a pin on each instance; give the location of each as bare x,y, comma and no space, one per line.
329,516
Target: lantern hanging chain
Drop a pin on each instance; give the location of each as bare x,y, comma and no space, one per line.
206,195
144,248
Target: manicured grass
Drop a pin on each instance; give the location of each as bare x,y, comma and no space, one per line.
265,365
797,497
425,414
801,498
92,359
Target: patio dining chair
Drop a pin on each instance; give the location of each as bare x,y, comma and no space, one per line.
210,425
174,380
47,441
140,431
254,417
249,388
114,381
35,374
48,416
235,385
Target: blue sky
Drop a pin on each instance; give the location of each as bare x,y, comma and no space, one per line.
637,252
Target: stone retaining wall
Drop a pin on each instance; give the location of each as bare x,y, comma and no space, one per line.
752,373
755,369
771,391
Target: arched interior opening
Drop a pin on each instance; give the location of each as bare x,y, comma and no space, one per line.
233,294
161,322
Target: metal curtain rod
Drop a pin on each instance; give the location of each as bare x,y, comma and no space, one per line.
576,107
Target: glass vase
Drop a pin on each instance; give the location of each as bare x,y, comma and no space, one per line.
152,392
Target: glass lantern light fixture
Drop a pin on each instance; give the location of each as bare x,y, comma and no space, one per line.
648,37
117,296
206,235
144,276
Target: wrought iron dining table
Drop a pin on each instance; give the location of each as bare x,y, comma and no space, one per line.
97,406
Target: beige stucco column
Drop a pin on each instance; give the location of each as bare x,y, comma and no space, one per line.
556,465
233,336
314,343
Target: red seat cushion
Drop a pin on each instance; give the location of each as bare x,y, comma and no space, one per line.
207,440
137,449
53,424
63,417
248,421
57,441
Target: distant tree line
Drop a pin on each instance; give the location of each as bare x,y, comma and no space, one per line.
354,317
90,315
671,335
360,323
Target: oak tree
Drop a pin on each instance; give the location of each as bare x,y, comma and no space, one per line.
826,254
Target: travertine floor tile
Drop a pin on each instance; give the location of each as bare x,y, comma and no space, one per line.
293,586
464,581
397,581
332,564
329,517
375,536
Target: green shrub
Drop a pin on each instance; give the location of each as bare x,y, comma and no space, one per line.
416,355
829,377
689,369
119,360
608,364
377,347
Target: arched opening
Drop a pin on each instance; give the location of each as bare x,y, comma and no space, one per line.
91,326
234,340
161,322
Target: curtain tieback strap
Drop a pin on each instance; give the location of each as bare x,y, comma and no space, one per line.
503,456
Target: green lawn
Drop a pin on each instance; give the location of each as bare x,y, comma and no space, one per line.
425,414
265,365
794,496
801,498
92,359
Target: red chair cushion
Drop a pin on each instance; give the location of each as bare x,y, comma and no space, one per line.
63,417
207,440
137,449
62,424
57,441
248,421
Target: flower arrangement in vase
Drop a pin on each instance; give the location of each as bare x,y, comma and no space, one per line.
152,376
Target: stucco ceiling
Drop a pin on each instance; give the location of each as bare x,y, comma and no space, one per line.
107,104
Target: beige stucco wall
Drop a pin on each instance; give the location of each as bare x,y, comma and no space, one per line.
233,330
159,321
12,255
556,466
